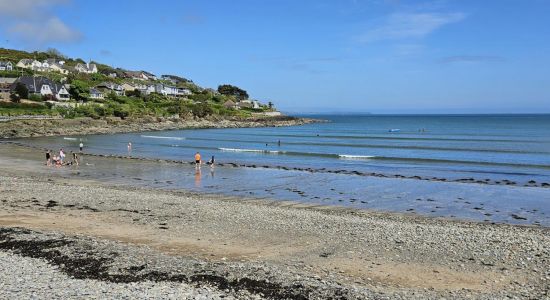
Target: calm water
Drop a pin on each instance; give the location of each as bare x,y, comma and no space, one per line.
490,148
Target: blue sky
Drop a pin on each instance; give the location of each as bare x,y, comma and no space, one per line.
392,56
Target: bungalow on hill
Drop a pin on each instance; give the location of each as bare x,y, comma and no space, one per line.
109,87
87,68
44,87
6,66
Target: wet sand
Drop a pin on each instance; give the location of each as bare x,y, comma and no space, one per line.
491,203
251,248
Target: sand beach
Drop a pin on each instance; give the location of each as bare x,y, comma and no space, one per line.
140,242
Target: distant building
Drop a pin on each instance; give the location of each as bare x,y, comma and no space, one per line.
6,66
128,87
54,61
174,79
184,92
43,86
146,89
88,68
96,94
255,104
139,75
166,90
109,87
32,64
56,67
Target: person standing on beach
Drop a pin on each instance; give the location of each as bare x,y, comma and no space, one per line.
197,160
81,146
61,155
48,158
75,158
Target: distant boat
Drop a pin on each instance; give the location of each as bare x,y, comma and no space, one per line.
394,130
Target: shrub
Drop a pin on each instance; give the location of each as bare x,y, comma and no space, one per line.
15,98
35,97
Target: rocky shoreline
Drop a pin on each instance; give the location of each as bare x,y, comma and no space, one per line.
84,126
211,247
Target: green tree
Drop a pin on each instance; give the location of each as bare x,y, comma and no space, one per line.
270,104
79,90
21,90
231,90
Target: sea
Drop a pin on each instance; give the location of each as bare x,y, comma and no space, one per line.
488,168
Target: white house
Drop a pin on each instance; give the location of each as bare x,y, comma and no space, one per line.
86,68
166,90
60,92
6,66
32,64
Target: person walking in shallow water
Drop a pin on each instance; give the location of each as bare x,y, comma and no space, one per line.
81,146
211,162
129,147
48,158
197,160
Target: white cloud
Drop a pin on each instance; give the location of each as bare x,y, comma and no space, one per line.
51,31
409,25
25,8
33,23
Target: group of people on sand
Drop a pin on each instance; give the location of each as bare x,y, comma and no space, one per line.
198,161
58,159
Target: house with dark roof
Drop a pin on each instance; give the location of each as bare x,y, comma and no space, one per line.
43,86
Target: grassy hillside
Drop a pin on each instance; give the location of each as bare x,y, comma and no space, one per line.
201,103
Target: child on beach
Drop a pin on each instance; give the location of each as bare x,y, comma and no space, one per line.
197,160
